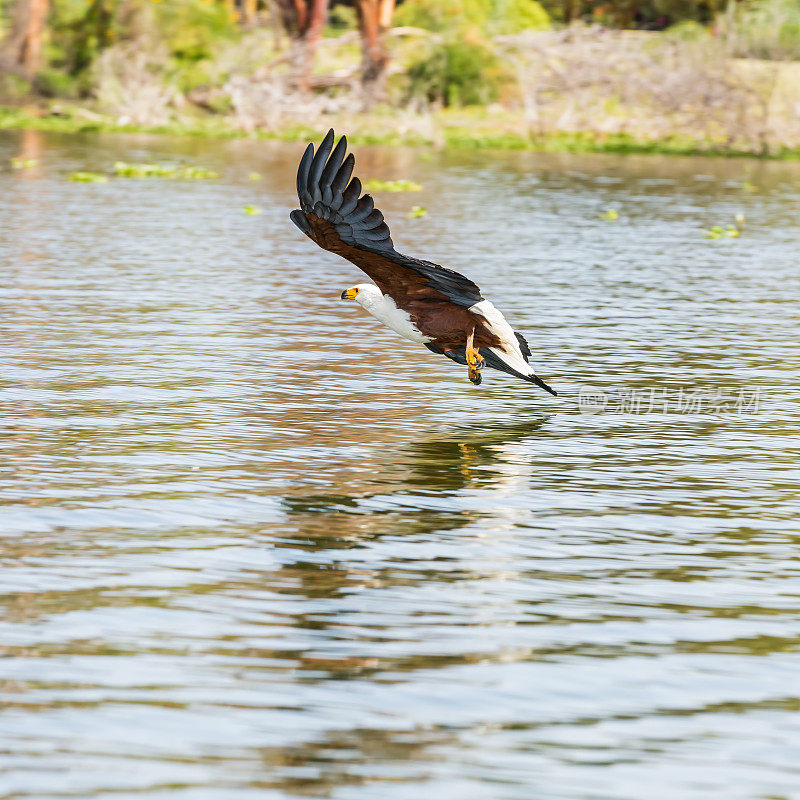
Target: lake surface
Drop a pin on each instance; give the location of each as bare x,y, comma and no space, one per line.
255,546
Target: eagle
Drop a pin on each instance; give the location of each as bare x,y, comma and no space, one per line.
422,301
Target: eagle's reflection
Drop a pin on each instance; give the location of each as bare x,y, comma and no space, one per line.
412,490
406,490
467,457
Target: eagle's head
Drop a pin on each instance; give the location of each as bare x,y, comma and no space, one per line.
363,293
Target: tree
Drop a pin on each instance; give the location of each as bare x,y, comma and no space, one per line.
374,19
21,52
249,11
304,20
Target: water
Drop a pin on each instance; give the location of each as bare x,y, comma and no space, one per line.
254,546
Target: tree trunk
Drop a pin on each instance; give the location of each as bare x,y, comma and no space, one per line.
304,20
374,18
21,52
571,10
249,10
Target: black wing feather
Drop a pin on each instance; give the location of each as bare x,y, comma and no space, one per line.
302,177
334,162
318,165
339,183
321,181
523,346
350,197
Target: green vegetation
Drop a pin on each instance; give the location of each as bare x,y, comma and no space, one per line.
124,170
610,215
458,73
376,185
24,163
493,16
88,177
718,232
251,211
730,231
417,211
769,29
467,132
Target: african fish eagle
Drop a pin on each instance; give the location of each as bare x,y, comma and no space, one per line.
421,301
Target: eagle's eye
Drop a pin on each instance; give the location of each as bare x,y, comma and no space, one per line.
349,294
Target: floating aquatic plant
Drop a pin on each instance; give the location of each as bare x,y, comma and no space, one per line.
197,173
251,211
610,215
24,163
730,231
376,185
88,177
125,170
254,176
417,212
718,232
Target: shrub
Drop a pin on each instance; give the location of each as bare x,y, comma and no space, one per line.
192,29
763,29
514,16
56,83
342,19
687,31
12,87
492,16
456,73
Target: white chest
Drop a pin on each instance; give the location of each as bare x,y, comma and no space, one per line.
384,309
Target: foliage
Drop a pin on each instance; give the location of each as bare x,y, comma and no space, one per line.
492,16
513,16
417,212
763,29
460,68
187,33
687,31
58,83
13,87
193,29
251,211
341,19
456,73
185,66
23,163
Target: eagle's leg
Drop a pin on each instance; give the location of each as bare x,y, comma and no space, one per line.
474,360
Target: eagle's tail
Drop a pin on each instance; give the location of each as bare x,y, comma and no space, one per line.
497,359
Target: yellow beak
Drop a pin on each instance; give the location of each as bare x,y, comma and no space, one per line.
349,294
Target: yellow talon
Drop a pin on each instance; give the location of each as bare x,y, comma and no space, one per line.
474,360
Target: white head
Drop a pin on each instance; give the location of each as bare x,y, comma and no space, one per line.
367,295
383,308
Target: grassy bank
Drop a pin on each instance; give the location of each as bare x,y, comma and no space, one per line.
466,129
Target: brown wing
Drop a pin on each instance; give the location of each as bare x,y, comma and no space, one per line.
339,219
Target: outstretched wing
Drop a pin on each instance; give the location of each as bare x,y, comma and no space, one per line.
338,218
